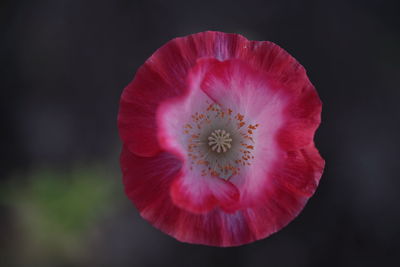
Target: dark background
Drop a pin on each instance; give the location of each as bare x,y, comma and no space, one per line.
63,67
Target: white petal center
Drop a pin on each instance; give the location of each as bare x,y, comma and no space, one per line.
219,141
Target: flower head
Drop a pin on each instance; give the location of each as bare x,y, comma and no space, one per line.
218,139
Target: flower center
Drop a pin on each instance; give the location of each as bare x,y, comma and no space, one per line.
219,140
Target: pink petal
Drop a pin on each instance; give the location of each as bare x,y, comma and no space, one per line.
270,88
147,181
161,77
199,194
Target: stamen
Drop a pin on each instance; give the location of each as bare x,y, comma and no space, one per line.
219,153
219,139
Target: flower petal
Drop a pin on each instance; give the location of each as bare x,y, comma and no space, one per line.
301,170
287,121
174,113
161,77
193,190
270,88
262,100
199,194
303,116
147,181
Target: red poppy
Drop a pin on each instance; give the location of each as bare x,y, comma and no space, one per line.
217,138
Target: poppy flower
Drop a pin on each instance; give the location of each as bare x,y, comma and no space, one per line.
217,138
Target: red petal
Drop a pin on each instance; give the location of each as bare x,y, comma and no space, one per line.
161,77
272,59
153,178
303,116
300,171
139,102
275,210
200,194
147,181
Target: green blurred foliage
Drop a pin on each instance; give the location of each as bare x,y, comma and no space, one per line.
56,212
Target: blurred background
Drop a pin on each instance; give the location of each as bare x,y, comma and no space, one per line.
63,66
